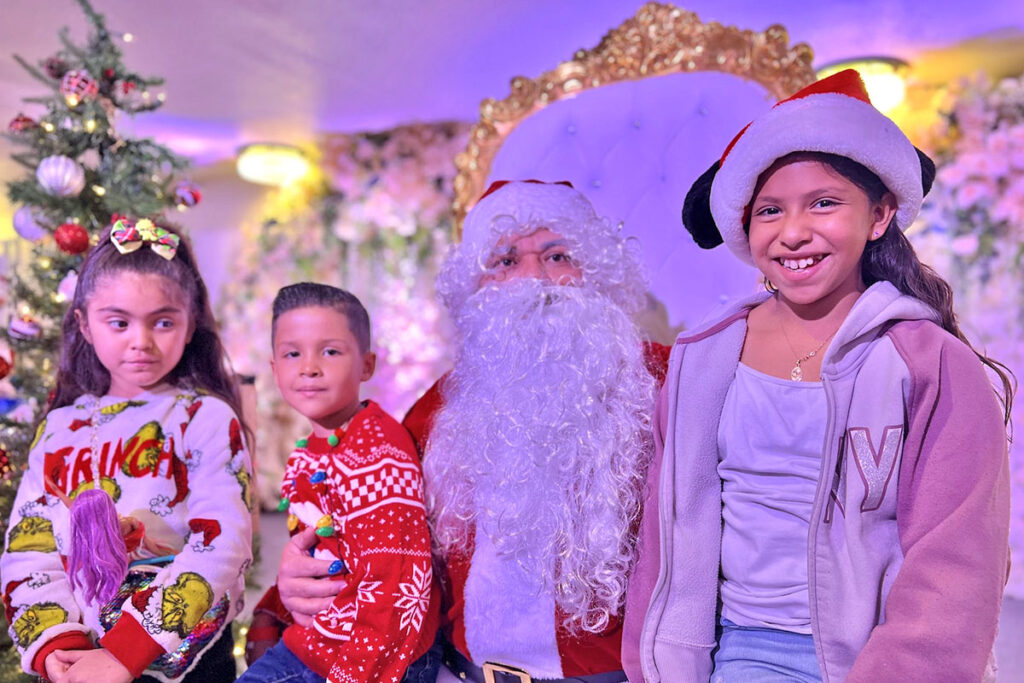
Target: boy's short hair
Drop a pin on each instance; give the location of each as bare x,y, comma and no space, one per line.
307,294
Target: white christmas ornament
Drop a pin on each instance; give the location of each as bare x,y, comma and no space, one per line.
60,176
66,288
27,223
90,159
21,328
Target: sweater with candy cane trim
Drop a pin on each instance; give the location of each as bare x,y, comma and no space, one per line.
153,448
364,496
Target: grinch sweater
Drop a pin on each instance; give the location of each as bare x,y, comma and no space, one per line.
153,449
364,495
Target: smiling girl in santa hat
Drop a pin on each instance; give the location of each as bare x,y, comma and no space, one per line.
830,496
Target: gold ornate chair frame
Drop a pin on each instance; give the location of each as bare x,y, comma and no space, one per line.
660,39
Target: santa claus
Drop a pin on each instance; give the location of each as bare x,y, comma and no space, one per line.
536,444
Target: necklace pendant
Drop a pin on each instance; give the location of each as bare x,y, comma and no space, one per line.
796,374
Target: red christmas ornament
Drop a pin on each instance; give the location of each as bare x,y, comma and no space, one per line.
5,465
55,67
21,123
108,74
77,86
187,195
6,365
72,238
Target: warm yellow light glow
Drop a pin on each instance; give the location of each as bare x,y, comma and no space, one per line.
72,99
90,125
127,37
272,164
885,78
99,190
47,126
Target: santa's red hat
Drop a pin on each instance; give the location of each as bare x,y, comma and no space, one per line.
833,115
527,202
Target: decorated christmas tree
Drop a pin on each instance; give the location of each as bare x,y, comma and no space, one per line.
80,173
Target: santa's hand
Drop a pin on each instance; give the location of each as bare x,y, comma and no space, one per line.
300,579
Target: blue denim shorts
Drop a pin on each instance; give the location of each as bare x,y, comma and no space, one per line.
750,654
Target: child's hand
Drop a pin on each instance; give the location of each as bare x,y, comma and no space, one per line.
57,664
89,666
302,592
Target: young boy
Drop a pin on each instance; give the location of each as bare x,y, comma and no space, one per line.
356,480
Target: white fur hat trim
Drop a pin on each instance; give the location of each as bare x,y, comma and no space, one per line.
823,122
528,203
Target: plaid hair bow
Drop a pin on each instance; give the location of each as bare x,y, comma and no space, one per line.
128,237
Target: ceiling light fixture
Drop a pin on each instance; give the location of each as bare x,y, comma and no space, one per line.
885,78
272,163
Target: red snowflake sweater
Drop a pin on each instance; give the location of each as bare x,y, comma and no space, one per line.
364,496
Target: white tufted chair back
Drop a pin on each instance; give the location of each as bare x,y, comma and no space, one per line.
632,123
634,148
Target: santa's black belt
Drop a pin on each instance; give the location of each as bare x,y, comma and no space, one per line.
492,672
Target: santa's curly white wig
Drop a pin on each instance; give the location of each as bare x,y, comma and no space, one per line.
610,262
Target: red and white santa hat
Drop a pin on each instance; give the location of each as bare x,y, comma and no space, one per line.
527,202
833,115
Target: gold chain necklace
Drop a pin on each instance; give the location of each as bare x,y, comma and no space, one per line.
797,373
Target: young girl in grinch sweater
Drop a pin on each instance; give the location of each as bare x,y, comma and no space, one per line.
131,527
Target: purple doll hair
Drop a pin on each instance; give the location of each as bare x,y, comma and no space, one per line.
98,561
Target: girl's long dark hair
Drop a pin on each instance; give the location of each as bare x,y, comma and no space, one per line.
204,365
892,258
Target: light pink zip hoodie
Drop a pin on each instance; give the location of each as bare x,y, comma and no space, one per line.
907,549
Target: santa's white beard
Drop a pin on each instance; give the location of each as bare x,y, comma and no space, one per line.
543,440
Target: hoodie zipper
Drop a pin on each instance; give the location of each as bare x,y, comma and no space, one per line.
826,475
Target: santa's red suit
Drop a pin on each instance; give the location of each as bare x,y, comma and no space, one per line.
579,654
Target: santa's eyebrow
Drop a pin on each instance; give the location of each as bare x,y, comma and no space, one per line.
511,250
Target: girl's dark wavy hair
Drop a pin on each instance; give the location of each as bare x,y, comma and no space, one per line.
204,365
892,258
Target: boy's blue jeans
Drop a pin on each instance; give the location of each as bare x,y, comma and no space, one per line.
279,665
764,655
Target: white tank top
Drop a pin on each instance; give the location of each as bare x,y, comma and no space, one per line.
770,441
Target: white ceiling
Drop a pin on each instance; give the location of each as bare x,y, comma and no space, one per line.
283,70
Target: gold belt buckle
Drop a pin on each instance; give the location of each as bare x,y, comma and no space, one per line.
491,668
